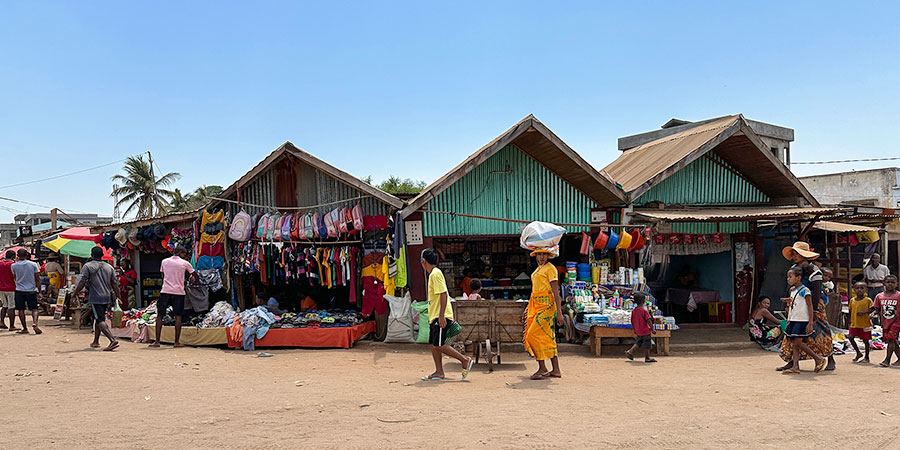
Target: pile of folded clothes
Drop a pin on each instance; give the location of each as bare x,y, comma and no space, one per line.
221,314
319,319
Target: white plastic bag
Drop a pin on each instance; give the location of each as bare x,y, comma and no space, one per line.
541,236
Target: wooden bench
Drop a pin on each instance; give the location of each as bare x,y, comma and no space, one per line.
661,337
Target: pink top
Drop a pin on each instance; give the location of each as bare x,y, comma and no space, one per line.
173,269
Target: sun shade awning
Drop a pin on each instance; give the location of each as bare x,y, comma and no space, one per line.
730,214
838,227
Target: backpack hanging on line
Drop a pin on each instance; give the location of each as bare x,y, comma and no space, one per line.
357,214
270,226
286,227
241,227
330,225
342,221
321,228
308,232
296,224
262,226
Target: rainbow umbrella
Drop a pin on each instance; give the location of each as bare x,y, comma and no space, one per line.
75,242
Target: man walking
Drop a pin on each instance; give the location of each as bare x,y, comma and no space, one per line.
173,269
100,278
8,291
28,278
440,318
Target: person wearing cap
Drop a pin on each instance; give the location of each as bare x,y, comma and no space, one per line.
545,302
100,279
875,273
820,339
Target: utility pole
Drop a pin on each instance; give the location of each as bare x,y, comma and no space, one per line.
117,214
153,181
53,213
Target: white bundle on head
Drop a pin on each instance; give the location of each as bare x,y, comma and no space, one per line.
542,236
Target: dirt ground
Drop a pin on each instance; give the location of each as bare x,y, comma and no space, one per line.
58,393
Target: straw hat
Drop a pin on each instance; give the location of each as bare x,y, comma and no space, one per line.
122,236
800,247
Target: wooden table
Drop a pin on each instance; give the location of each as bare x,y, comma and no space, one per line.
597,333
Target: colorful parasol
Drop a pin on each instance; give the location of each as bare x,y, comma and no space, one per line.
74,242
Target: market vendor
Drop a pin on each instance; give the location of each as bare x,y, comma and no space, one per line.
820,340
271,304
540,339
764,326
127,281
55,273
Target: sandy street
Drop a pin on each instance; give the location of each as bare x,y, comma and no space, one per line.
58,393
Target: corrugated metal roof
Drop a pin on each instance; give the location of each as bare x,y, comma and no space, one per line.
731,138
537,141
838,227
638,165
730,214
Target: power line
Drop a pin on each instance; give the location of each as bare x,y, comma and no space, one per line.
40,206
67,174
841,161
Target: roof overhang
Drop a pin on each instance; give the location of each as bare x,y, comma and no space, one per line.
840,227
731,214
166,219
537,141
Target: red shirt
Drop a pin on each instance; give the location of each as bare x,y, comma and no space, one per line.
639,318
7,279
888,306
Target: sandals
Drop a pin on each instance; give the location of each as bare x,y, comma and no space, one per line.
790,372
540,376
465,371
112,346
820,366
650,360
629,356
36,329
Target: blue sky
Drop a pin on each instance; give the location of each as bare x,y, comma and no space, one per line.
412,88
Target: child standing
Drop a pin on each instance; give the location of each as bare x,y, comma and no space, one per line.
643,328
887,302
800,322
860,322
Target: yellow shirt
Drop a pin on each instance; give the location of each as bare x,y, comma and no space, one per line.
436,287
857,305
542,277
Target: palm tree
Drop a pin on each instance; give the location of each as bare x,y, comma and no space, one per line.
203,193
144,194
181,202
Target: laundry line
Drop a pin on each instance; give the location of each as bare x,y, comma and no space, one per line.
292,208
501,219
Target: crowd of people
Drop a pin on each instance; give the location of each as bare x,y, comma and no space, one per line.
806,333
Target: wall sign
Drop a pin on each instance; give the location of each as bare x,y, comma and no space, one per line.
414,232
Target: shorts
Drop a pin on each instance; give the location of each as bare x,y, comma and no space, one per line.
861,333
891,334
99,311
173,300
437,336
643,342
8,299
26,300
796,330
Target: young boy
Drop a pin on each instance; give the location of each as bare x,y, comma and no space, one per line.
800,322
860,322
887,302
440,317
643,328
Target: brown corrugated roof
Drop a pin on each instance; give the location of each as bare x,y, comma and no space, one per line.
638,165
730,214
731,138
838,227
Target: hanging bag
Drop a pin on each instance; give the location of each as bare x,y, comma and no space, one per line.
308,231
286,228
262,226
296,222
321,228
241,227
270,226
357,214
342,221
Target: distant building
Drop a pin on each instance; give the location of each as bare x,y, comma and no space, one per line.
875,187
7,234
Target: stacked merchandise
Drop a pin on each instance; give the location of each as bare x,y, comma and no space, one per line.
319,319
209,250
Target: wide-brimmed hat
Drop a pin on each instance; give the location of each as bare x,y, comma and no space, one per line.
122,236
800,247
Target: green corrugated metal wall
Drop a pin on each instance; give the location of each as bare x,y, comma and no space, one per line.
703,182
530,192
707,227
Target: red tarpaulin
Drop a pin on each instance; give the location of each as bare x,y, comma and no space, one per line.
80,234
338,337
